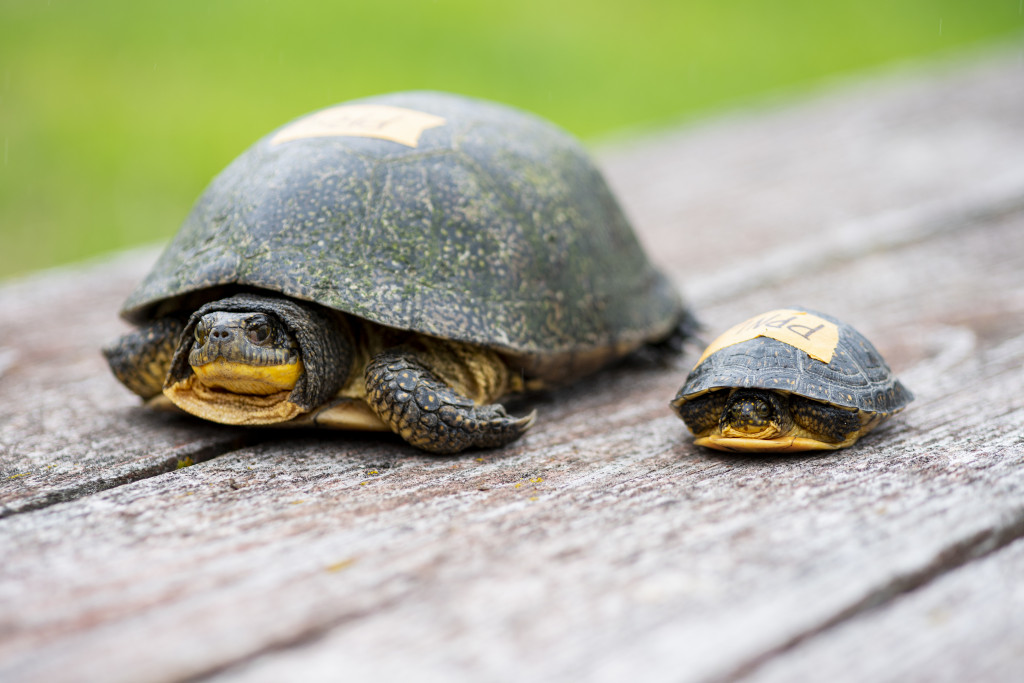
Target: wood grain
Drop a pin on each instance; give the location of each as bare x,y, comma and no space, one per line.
604,545
67,428
970,622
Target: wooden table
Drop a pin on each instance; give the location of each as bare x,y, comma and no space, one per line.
604,546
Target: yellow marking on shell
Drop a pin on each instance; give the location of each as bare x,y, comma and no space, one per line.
380,121
814,336
241,378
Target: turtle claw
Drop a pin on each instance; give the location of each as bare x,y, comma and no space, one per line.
429,414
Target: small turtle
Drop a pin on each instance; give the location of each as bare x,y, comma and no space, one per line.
788,380
395,263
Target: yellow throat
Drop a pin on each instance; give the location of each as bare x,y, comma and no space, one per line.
241,378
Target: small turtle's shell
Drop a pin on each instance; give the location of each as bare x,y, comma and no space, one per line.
483,224
855,377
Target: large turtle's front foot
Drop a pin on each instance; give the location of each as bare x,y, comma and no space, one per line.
140,359
429,414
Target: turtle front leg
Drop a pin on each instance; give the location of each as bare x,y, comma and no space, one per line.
141,359
429,413
831,424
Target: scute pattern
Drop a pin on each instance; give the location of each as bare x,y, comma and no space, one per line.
857,376
497,230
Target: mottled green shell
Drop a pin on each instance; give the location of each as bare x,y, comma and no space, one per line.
856,377
495,229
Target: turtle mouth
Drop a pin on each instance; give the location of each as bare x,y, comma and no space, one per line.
754,415
244,367
768,432
241,378
255,339
228,407
244,353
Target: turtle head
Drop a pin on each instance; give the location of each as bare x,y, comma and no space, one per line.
245,353
754,414
254,359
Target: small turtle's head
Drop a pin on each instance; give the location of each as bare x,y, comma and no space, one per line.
244,353
755,414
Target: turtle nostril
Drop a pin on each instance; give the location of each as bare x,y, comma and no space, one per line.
221,333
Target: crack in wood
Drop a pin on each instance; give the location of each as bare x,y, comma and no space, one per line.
639,556
977,546
176,459
304,637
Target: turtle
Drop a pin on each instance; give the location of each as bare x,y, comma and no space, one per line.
790,379
396,263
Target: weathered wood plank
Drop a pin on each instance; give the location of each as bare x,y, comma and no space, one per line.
941,146
970,621
67,428
613,550
604,545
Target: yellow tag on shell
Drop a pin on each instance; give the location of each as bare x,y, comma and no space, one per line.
814,336
382,121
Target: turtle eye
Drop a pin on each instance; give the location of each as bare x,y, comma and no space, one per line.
762,409
258,329
259,333
201,333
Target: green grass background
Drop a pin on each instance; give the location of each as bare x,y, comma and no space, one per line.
114,114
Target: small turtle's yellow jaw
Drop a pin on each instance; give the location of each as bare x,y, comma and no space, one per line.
754,415
244,366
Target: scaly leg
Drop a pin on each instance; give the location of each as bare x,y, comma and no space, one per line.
429,413
831,423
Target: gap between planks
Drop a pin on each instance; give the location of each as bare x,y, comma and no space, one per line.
998,198
886,230
183,457
955,556
992,201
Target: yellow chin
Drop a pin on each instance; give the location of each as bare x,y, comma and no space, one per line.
238,394
225,407
748,433
796,439
239,378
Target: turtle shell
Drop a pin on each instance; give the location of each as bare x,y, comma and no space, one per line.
428,212
854,376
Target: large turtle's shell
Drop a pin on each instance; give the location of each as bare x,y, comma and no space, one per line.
856,376
496,228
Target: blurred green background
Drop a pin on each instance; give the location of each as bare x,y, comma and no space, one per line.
114,114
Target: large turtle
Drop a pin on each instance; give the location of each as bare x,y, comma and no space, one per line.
395,263
788,380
